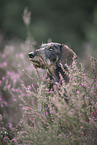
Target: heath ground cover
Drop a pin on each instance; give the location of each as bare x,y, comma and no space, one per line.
32,114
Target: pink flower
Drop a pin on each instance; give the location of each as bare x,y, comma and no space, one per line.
0,82
94,115
3,55
4,64
14,100
29,108
10,125
2,105
3,78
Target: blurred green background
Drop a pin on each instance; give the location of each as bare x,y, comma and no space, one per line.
72,22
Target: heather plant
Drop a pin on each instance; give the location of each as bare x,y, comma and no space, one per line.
30,113
65,115
15,70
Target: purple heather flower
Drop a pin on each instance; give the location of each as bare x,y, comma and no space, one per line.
3,55
77,92
3,78
10,125
2,105
14,100
0,82
4,64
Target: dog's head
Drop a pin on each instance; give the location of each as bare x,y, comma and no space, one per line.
50,55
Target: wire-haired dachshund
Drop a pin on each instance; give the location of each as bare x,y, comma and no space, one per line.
54,57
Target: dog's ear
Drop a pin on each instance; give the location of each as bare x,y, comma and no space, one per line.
67,55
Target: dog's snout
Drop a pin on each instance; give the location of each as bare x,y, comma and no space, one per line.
31,55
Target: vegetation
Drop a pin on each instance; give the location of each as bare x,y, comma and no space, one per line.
31,114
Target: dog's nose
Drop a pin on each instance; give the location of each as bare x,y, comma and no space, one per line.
31,55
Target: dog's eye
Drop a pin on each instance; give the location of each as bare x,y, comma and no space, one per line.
50,49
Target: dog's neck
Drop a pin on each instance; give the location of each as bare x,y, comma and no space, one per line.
55,76
63,71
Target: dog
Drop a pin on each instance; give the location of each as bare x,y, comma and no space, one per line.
54,57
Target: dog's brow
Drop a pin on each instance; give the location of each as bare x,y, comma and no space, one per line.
45,46
49,45
41,48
